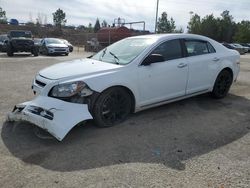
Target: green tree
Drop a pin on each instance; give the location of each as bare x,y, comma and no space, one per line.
59,18
243,32
164,25
90,28
194,25
210,27
97,26
3,19
104,23
227,27
180,30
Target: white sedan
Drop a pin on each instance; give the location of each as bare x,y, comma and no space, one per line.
131,75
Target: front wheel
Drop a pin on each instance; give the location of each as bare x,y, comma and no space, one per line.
222,84
112,107
10,52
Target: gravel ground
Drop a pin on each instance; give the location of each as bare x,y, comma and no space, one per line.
198,142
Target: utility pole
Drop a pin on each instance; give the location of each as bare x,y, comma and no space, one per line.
156,17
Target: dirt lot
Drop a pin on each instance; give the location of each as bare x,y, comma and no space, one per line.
198,142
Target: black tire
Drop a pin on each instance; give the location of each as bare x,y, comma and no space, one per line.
46,52
112,107
222,84
67,54
10,52
35,52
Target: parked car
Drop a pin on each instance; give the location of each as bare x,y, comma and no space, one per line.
239,48
53,46
20,41
229,46
128,76
71,48
247,46
3,43
37,42
239,45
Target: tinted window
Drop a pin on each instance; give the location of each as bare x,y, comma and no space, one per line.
210,48
169,50
196,48
17,34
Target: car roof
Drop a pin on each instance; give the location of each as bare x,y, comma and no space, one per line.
172,36
20,31
52,38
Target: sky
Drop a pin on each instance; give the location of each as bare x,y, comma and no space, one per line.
83,12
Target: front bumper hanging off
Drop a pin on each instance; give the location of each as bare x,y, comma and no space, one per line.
53,115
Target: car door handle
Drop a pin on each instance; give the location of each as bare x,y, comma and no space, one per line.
182,65
216,59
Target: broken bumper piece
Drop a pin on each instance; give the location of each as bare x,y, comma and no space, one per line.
55,116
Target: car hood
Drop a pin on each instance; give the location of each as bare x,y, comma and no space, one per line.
57,45
76,68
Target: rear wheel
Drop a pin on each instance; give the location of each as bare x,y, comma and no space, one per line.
222,84
112,107
10,52
35,52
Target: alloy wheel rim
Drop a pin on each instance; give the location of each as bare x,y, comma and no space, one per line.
114,108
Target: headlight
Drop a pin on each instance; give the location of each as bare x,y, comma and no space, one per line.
70,89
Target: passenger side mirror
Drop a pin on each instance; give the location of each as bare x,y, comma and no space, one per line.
153,58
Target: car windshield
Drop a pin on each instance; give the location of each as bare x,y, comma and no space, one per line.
53,41
18,34
124,51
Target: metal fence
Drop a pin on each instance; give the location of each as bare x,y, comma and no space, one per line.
96,41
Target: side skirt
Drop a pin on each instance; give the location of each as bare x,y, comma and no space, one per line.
144,107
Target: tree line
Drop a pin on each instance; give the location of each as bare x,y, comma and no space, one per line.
59,20
222,29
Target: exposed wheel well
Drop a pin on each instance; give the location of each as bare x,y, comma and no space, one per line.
129,92
229,70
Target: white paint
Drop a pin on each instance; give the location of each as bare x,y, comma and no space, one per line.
151,85
66,115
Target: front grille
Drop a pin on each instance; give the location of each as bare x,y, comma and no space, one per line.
60,49
41,112
41,84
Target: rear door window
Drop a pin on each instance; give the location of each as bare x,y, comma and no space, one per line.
195,47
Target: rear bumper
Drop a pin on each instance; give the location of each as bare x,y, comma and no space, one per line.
55,116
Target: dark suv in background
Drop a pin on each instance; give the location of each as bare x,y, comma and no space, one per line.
21,41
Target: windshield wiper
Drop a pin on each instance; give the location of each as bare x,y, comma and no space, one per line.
103,53
117,62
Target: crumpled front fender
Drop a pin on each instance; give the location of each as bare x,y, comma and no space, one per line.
53,115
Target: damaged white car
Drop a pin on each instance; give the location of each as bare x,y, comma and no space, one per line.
131,75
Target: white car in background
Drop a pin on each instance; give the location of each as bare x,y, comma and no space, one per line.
131,75
55,46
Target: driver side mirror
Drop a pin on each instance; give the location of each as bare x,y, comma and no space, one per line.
153,58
